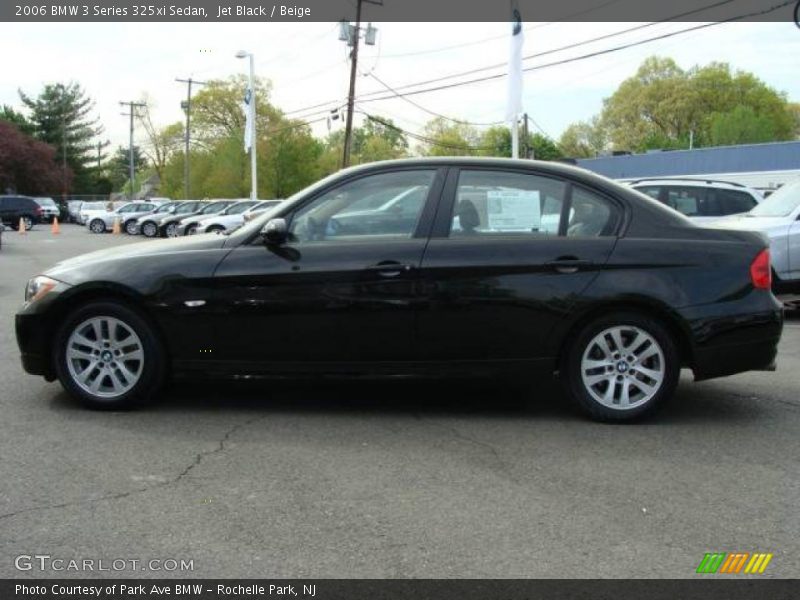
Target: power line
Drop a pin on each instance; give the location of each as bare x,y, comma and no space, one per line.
586,56
561,49
427,110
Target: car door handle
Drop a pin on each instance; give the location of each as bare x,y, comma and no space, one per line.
567,265
389,268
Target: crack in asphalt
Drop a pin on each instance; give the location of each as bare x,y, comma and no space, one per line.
199,457
465,438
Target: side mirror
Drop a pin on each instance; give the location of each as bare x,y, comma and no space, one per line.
275,232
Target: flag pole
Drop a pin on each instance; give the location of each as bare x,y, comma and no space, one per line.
514,107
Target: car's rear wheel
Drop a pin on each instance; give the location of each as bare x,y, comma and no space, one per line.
108,357
130,226
149,229
97,226
191,229
621,367
215,229
28,223
171,230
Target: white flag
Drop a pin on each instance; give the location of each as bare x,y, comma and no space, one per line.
514,107
248,122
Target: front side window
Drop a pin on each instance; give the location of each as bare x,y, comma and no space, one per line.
381,206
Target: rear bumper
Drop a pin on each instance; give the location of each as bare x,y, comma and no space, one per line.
738,340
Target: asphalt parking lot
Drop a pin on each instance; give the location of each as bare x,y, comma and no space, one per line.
390,480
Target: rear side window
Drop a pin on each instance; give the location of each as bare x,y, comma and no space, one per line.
687,200
731,202
502,203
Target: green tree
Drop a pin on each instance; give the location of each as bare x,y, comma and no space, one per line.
117,169
663,106
61,116
17,119
444,137
496,141
584,139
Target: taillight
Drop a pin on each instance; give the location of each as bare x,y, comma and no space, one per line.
761,271
39,210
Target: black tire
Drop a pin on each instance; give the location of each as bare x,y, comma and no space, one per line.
572,376
28,222
153,370
191,229
215,229
130,227
97,226
149,229
171,230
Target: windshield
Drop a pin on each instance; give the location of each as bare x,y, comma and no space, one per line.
214,207
780,204
165,208
238,208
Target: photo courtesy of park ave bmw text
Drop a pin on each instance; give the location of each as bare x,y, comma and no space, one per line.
399,299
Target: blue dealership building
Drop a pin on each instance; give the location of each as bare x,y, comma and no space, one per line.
761,166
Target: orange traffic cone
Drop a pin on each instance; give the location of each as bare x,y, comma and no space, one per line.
116,228
21,229
54,228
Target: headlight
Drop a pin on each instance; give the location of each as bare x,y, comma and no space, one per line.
39,287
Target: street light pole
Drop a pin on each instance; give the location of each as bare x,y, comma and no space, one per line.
252,108
132,170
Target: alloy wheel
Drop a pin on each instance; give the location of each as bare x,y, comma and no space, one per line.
98,226
149,229
623,367
130,227
28,223
172,230
104,357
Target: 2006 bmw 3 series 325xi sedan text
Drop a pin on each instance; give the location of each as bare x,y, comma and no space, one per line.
427,267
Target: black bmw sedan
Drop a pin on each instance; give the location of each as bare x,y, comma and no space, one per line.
421,267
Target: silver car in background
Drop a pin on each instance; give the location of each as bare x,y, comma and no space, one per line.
778,217
126,214
234,216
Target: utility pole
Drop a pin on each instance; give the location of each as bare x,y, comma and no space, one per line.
187,106
352,35
132,107
64,157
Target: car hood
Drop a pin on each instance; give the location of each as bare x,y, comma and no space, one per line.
69,269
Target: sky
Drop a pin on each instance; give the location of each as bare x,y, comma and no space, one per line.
308,65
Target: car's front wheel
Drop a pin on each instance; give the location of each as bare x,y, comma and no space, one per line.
191,229
108,357
150,229
215,229
27,222
130,227
171,230
97,226
621,367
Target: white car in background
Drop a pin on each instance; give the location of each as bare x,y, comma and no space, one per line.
90,209
702,200
777,217
127,214
235,216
